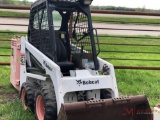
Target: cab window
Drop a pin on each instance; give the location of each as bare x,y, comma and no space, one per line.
57,20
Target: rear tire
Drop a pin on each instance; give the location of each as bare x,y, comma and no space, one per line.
27,96
105,94
45,104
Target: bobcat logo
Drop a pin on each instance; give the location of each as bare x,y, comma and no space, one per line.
79,82
89,82
47,65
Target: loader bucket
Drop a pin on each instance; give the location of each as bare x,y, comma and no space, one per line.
130,108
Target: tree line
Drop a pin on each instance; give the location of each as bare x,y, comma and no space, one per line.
27,3
122,8
15,2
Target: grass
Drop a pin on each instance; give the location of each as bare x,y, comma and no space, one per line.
14,14
6,36
13,111
122,20
135,82
10,105
130,82
131,49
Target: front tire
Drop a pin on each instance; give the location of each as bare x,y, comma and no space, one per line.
27,96
45,104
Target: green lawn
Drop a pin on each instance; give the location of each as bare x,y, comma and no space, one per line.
122,20
14,14
133,82
10,105
130,82
131,49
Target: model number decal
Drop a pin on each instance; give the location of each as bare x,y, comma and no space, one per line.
89,82
22,59
47,65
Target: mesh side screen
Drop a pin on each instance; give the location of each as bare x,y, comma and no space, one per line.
81,27
39,31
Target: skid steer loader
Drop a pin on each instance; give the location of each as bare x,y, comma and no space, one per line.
58,73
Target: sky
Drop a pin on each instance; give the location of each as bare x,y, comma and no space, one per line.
149,4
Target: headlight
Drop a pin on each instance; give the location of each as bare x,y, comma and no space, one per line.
86,2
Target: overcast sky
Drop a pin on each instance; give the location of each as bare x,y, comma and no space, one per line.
150,4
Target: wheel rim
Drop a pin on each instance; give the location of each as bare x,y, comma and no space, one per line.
23,98
40,110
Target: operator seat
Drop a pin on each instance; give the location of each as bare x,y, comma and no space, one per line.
62,58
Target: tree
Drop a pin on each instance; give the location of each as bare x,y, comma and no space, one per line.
15,2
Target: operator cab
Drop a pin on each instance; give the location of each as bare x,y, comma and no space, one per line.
62,30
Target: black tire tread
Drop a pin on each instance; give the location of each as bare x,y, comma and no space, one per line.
50,103
30,95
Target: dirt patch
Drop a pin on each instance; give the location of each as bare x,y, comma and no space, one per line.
11,96
1,87
2,118
8,97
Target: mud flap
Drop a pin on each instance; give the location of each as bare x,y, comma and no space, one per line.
129,108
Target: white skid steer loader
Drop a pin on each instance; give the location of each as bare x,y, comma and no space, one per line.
59,75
